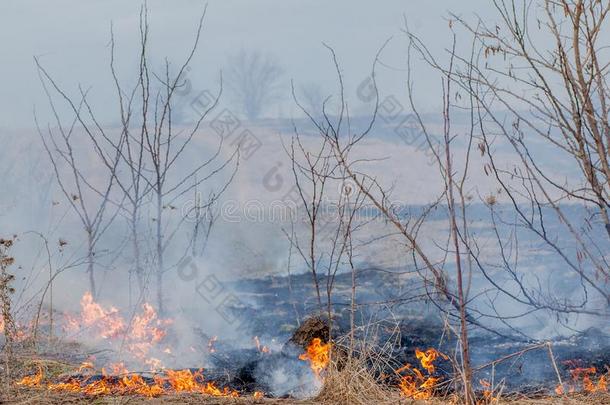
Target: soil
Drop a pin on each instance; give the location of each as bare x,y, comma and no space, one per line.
38,396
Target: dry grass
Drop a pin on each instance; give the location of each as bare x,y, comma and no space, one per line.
347,381
23,396
352,383
572,399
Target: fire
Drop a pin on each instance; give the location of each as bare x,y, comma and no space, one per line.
258,395
115,369
584,379
32,380
143,332
415,384
105,322
135,384
70,386
187,381
428,358
87,365
318,356
259,347
20,333
173,381
487,392
139,336
154,364
211,344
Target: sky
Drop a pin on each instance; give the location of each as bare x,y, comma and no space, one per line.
71,39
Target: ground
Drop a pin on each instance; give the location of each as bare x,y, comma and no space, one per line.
38,396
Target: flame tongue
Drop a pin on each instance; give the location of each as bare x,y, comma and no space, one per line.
33,380
427,359
318,356
139,336
187,381
105,322
261,348
175,381
414,384
584,379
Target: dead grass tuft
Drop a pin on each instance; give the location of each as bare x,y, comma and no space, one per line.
351,382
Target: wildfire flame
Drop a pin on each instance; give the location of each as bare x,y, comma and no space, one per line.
414,384
115,369
139,336
32,380
487,392
584,379
20,334
173,381
187,381
318,356
105,322
211,343
259,347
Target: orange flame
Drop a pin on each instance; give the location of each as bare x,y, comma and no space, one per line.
140,336
259,347
176,381
318,356
87,365
415,384
428,358
583,379
70,386
20,333
487,392
187,381
136,384
211,344
105,322
115,369
32,380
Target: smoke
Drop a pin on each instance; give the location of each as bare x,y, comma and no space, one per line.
285,375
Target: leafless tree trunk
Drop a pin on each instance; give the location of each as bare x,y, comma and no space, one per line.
558,95
342,145
6,290
89,201
151,151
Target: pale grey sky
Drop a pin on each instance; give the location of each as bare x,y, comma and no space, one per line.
71,38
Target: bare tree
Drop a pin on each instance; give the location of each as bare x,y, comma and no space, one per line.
6,290
7,321
513,93
75,175
153,152
450,297
254,80
329,209
553,98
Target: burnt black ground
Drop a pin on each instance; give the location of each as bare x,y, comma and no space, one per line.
270,310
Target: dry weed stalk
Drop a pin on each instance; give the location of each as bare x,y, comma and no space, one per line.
6,291
352,381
